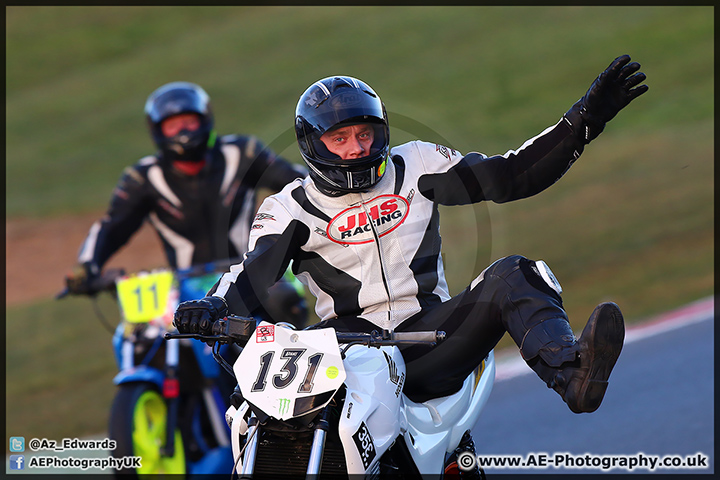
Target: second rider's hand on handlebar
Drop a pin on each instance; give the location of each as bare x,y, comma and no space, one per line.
81,279
85,279
197,316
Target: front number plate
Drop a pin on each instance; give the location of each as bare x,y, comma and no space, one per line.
280,367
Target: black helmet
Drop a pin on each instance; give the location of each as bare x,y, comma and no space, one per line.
172,99
327,104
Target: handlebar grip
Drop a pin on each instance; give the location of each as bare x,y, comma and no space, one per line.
433,336
375,339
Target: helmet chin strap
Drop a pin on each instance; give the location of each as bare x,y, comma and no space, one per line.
189,167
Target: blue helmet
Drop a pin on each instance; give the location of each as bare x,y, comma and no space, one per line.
172,99
330,103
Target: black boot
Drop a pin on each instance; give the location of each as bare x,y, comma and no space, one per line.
582,383
533,315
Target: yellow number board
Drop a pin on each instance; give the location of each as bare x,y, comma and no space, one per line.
144,296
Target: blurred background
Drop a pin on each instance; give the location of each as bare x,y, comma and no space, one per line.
631,222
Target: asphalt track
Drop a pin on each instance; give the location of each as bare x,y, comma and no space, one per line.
660,402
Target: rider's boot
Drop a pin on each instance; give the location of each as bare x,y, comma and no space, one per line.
582,383
533,315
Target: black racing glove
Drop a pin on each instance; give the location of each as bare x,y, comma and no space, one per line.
611,91
82,279
197,316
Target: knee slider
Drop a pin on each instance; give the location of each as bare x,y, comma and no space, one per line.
552,339
539,276
541,269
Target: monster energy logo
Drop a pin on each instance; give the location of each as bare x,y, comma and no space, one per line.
284,405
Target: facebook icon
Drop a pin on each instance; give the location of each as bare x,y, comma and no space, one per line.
17,462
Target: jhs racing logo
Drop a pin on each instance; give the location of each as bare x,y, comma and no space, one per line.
365,445
360,224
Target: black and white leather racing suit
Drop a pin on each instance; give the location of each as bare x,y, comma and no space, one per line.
199,218
373,259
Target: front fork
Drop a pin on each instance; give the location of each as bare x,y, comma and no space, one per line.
317,448
171,393
318,444
251,448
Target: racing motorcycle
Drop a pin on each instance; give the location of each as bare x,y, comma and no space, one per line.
321,402
172,395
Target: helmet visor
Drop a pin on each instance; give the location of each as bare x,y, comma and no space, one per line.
377,147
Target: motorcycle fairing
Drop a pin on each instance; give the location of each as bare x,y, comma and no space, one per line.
436,426
140,373
369,422
235,418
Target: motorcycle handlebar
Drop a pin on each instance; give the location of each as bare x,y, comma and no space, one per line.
431,336
376,339
217,266
239,330
62,294
104,282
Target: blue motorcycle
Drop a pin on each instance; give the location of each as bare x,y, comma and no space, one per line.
170,405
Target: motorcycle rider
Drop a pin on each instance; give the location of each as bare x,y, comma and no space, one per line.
362,233
198,191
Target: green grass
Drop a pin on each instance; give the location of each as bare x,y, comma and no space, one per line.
59,369
632,221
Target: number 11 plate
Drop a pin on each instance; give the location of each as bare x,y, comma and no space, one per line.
144,296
